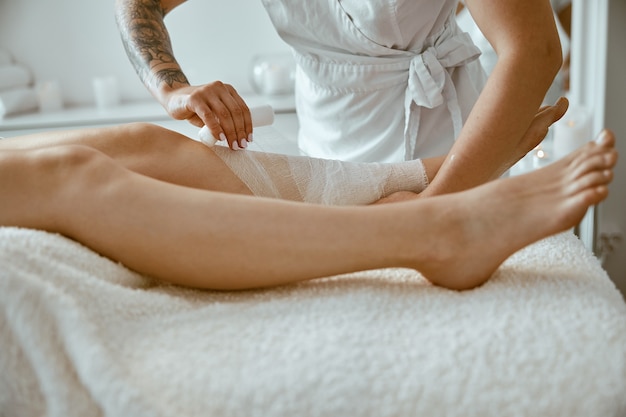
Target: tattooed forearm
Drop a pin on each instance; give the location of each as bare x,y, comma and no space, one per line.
147,42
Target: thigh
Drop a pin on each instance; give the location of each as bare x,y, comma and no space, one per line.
147,149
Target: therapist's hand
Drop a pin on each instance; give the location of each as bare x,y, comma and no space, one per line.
147,43
216,105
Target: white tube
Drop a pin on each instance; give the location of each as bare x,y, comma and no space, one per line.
261,116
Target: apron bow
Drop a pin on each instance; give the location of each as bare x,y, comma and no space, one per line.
430,84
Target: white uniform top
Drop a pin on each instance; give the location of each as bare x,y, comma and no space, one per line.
378,80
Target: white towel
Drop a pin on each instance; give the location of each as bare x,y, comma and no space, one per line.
81,335
14,76
19,100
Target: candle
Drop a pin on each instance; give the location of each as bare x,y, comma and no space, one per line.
273,74
49,96
572,131
276,79
540,158
106,92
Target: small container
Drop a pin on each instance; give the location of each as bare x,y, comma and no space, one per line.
273,74
49,96
572,131
106,92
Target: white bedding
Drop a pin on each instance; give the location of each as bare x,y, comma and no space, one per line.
83,336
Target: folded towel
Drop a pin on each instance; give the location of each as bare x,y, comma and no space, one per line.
18,101
81,335
14,76
5,57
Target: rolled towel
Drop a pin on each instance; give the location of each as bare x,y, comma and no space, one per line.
14,76
18,100
5,57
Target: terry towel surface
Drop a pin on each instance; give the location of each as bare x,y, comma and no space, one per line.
84,336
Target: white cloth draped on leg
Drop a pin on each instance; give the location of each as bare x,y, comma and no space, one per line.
322,181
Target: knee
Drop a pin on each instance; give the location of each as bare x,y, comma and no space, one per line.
67,162
143,129
150,138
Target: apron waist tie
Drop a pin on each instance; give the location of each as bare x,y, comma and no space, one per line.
430,84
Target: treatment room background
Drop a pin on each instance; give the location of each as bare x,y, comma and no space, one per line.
71,42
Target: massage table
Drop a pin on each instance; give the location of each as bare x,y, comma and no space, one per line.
81,335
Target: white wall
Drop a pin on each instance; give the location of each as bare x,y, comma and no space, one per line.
612,214
73,41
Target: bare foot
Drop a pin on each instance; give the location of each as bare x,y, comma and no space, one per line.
489,223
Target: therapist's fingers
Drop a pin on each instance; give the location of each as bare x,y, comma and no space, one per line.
233,116
554,113
559,107
544,118
247,117
223,111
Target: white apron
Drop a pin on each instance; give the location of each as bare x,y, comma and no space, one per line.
378,81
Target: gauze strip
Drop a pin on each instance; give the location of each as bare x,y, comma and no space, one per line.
322,181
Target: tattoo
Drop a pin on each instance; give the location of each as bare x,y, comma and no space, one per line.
148,44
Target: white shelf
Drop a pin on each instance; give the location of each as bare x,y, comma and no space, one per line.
281,137
85,116
147,111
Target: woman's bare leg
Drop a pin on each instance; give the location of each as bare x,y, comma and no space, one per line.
169,156
216,240
147,149
166,155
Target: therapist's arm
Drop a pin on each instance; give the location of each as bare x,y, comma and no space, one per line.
148,46
524,35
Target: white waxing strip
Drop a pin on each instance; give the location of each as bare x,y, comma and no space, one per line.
261,116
